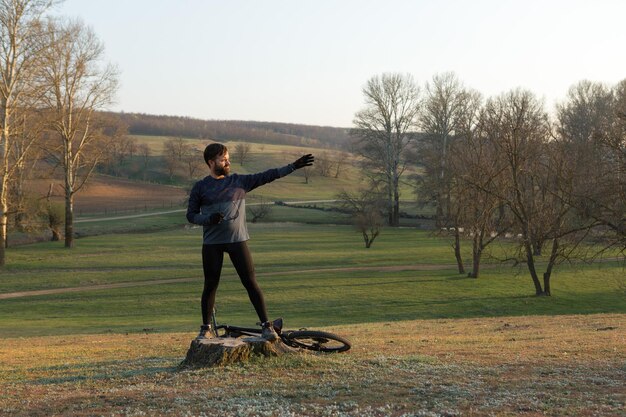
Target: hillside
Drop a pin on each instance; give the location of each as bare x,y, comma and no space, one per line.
105,194
135,184
225,130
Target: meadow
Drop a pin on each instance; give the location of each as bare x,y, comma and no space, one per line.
313,275
100,330
426,340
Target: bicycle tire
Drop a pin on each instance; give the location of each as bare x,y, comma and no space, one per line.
316,340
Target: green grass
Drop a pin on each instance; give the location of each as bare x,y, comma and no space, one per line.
157,220
276,247
313,275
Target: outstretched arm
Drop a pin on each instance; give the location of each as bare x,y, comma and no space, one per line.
256,180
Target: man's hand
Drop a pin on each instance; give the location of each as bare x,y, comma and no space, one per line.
216,218
305,161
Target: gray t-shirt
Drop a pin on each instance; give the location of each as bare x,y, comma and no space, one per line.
227,196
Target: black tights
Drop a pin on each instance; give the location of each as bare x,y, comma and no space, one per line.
212,260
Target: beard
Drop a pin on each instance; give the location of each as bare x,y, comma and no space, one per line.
223,170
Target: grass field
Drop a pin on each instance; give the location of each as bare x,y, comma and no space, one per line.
427,341
509,366
311,274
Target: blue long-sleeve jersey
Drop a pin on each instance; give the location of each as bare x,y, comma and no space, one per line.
227,196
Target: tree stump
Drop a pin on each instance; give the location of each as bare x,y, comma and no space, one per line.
219,351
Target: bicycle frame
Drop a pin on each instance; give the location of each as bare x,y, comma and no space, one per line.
245,331
303,339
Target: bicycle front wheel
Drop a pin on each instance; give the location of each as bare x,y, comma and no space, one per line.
316,340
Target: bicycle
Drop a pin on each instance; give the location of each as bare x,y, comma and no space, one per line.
315,340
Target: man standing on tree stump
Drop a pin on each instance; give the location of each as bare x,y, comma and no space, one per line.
218,203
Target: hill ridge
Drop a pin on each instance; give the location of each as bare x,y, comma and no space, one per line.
240,130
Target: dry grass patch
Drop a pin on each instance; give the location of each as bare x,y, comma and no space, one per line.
532,366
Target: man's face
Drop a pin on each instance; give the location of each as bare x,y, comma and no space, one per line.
220,166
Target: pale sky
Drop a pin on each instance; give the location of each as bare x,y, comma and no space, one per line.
306,61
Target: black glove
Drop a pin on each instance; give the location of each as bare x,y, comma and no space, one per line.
216,218
305,161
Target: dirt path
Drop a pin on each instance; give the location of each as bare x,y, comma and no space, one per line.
394,268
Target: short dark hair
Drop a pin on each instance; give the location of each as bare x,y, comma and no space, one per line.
214,150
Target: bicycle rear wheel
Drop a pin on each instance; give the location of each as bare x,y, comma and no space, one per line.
316,340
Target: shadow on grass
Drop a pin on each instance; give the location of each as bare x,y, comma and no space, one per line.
104,371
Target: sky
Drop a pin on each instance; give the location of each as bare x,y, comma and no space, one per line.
306,61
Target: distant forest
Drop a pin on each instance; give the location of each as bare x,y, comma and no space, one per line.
245,131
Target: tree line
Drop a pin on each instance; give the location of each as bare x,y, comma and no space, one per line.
501,166
235,130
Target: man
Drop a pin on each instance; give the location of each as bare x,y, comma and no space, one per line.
218,203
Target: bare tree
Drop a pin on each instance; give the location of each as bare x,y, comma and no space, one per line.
586,113
54,214
385,127
516,125
120,149
330,164
132,147
261,210
338,160
440,120
20,45
307,173
145,152
367,211
449,114
536,177
473,168
80,84
592,130
324,164
176,148
615,143
241,152
181,155
192,159
171,156
24,157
